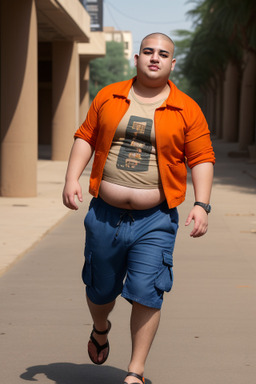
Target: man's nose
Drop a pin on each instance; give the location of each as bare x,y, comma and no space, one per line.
155,56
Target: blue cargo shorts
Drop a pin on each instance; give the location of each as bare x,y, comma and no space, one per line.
129,252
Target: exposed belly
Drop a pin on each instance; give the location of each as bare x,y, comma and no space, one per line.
130,198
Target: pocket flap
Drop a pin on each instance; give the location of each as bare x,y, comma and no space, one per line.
168,259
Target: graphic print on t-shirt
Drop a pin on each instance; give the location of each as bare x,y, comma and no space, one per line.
135,151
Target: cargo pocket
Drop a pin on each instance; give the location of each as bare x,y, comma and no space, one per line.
87,270
88,219
164,278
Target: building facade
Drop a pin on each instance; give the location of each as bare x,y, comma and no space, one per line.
124,37
46,47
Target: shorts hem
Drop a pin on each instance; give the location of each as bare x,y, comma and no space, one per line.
100,301
146,303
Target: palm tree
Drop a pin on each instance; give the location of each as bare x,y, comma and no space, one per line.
238,26
221,62
204,63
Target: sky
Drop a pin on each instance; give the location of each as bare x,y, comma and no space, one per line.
142,17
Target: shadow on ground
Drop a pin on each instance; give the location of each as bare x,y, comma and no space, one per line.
69,373
233,169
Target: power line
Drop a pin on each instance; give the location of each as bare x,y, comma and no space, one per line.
141,21
109,10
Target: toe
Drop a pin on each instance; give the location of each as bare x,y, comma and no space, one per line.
92,350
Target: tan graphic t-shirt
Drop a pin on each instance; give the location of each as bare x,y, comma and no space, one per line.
132,159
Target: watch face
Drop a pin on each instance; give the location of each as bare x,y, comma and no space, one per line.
208,208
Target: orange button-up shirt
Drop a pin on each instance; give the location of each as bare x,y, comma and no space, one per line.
182,136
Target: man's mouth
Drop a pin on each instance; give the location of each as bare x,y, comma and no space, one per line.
153,67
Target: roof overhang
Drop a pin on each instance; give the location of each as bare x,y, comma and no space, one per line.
95,48
62,20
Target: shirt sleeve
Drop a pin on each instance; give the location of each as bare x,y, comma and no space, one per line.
88,131
198,145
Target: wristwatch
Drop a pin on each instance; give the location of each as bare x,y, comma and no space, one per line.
206,207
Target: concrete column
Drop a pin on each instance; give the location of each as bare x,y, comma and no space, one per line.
84,89
65,98
18,98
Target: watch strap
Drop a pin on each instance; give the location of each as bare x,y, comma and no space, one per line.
206,207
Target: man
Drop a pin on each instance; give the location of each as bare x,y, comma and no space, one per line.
143,132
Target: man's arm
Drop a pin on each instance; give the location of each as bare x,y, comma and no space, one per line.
80,156
202,177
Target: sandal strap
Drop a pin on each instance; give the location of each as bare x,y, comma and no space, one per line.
137,377
98,346
102,332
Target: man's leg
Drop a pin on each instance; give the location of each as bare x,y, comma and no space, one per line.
99,315
144,324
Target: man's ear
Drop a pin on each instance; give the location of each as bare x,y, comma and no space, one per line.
136,56
173,64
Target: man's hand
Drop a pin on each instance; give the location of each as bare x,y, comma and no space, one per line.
72,189
79,157
200,218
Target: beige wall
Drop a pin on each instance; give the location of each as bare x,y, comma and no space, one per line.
54,36
65,98
84,89
18,98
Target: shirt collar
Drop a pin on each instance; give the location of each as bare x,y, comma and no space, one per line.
174,99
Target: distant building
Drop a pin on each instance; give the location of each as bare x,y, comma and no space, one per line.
95,10
124,37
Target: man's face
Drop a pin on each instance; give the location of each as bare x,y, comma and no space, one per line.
155,61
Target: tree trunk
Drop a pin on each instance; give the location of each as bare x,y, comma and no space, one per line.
212,101
209,108
219,107
248,102
231,103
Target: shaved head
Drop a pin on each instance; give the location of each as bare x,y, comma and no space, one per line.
155,61
157,35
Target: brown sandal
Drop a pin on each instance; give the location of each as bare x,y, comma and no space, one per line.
97,345
135,375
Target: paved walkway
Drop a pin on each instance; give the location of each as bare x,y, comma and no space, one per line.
25,221
207,331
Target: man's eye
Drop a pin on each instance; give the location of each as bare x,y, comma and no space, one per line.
147,52
164,55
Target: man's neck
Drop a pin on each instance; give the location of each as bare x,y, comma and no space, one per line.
150,94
